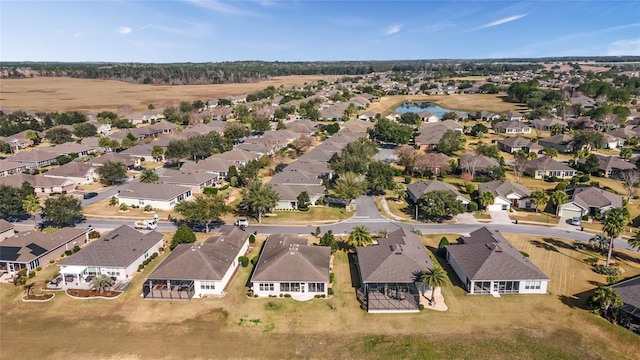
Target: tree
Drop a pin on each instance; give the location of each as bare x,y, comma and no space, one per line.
550,152
101,282
604,298
613,225
538,198
235,131
63,210
635,242
183,235
280,125
519,164
303,201
399,190
260,124
410,118
354,157
11,199
626,152
349,186
32,206
177,150
328,239
479,130
556,129
157,152
591,164
558,198
380,177
204,209
433,277
486,198
488,150
469,163
83,130
388,131
588,139
630,180
127,143
360,236
439,204
58,136
257,199
406,157
451,141
599,242
111,171
148,175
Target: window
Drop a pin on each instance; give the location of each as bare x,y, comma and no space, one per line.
266,286
532,285
284,286
112,272
140,202
207,285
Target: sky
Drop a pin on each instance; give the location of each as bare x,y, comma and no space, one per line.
301,30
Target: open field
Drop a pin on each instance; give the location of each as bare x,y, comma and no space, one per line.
61,94
464,102
511,327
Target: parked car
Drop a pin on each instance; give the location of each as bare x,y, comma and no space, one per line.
89,195
576,221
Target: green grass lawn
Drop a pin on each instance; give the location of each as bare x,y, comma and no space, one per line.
319,213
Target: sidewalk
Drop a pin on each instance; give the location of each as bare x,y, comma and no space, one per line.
385,207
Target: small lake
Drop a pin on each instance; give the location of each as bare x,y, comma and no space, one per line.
417,107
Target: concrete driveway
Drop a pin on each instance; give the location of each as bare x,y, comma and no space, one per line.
500,217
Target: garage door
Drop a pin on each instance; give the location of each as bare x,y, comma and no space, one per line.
570,213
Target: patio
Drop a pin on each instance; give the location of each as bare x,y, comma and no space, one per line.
395,297
168,289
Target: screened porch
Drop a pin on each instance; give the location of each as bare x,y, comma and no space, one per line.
383,297
168,289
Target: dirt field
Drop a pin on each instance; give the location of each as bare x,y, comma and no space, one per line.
464,102
61,94
511,327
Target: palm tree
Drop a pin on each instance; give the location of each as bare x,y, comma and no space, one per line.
556,129
532,155
349,186
360,236
31,204
157,151
399,191
599,242
557,198
258,199
148,175
550,152
383,233
539,199
434,277
604,298
101,282
635,242
486,199
613,225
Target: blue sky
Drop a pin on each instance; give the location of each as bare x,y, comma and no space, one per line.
301,30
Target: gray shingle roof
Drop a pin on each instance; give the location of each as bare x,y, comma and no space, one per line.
119,248
503,188
559,139
420,188
29,245
153,191
516,142
287,257
73,169
206,261
487,255
210,164
606,163
171,176
591,196
5,225
546,163
400,257
629,291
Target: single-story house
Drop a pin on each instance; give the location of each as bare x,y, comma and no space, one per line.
30,249
116,254
72,148
240,157
611,166
290,183
547,124
612,142
34,159
507,194
76,171
629,291
416,190
561,142
513,115
159,196
545,166
429,134
487,263
7,229
11,168
288,265
129,161
588,200
198,270
41,185
195,180
217,167
512,127
517,143
389,273
428,117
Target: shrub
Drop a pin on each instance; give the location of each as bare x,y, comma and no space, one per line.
252,239
606,270
612,280
407,179
209,190
473,206
76,249
68,252
595,184
51,261
421,307
397,172
317,233
330,291
244,261
148,208
140,267
524,254
287,295
124,207
470,188
562,185
584,178
38,268
363,307
254,260
94,234
332,277
591,260
32,274
585,217
154,255
224,187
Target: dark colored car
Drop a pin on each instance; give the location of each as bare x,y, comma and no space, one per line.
89,195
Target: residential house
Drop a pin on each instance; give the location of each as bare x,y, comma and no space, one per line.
140,152
215,166
306,127
368,115
7,229
198,270
561,142
416,190
389,273
590,201
30,249
94,144
195,180
394,116
11,168
288,265
290,183
117,254
507,194
43,186
34,159
430,134
147,116
487,263
517,143
625,133
76,171
488,115
611,166
584,101
545,166
477,163
70,148
629,291
512,127
101,128
513,115
611,141
240,157
129,161
547,124
159,196
428,117
19,141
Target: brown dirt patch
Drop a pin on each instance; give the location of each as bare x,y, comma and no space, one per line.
39,297
463,102
92,293
61,94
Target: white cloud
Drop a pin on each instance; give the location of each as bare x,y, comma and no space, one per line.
394,29
503,21
146,26
124,30
624,47
218,6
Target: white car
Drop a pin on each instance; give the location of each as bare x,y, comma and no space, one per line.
576,221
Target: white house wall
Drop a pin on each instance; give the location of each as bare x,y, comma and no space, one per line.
156,204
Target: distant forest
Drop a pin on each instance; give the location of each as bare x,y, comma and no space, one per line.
251,71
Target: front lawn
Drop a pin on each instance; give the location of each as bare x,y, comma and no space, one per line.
532,216
316,213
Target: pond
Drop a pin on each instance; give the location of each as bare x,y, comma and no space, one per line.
417,107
